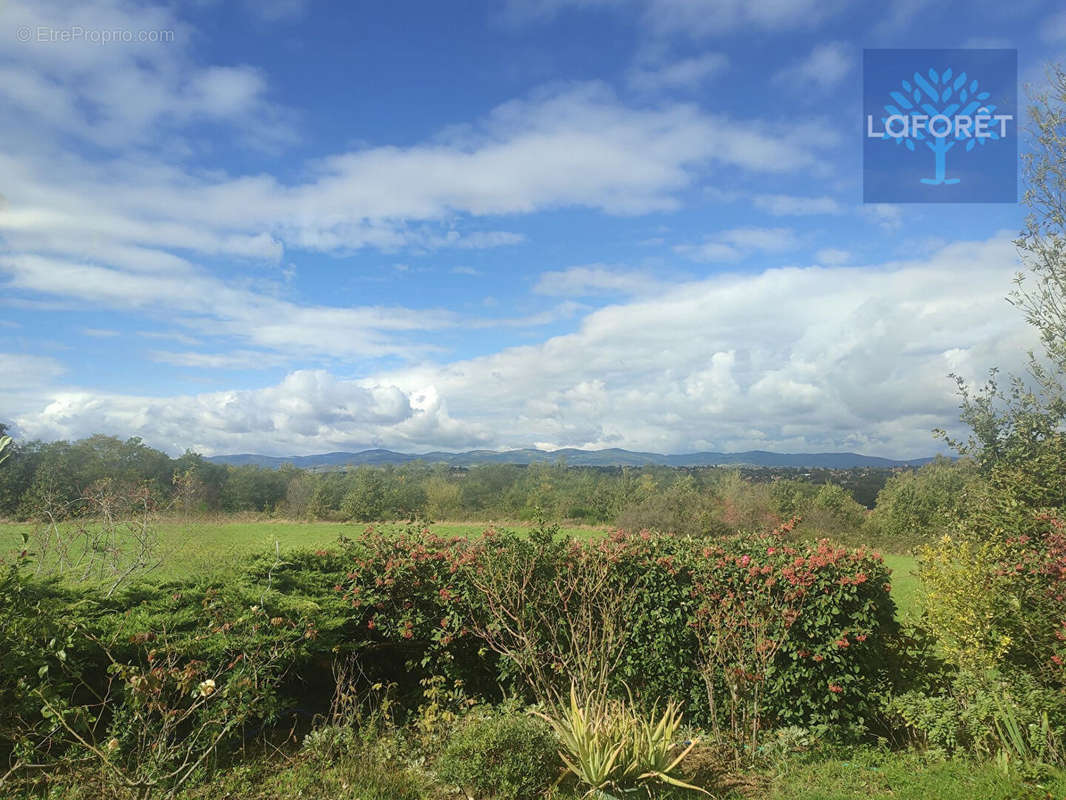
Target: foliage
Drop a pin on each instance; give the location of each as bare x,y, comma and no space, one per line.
688,500
920,506
641,603
35,619
799,635
107,536
682,507
510,757
610,744
554,608
998,602
157,713
997,584
879,774
1042,243
987,713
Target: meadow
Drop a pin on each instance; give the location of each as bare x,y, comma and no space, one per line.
207,546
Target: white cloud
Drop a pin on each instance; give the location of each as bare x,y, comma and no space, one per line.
789,359
210,306
26,371
595,279
899,16
832,256
119,93
577,146
688,73
307,408
826,66
235,359
783,205
889,217
734,244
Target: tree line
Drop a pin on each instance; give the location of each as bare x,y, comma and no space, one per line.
54,477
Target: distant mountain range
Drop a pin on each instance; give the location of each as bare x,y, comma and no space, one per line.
612,457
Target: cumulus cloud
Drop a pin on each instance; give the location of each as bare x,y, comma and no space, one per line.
815,358
308,408
133,232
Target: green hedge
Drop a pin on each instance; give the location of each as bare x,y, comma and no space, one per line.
422,596
412,606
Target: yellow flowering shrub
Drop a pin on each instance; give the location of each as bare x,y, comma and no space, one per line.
971,604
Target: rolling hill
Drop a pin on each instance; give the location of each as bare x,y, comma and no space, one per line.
612,457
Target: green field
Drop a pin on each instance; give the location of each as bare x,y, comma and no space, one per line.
208,546
200,546
905,584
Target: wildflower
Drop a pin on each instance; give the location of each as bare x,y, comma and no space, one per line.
206,687
835,688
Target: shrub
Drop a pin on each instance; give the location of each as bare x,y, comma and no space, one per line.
510,757
808,628
443,607
976,712
999,602
330,742
918,507
154,720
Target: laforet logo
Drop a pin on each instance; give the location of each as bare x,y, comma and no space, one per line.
921,106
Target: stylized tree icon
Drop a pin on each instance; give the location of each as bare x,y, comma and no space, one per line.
940,96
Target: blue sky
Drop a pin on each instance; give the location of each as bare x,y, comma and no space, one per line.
290,227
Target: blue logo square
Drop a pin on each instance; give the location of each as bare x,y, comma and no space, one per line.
940,126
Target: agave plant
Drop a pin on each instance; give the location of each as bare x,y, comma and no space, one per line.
656,737
590,739
608,744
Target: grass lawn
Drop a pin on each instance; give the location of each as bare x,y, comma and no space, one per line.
907,776
863,775
207,545
905,584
